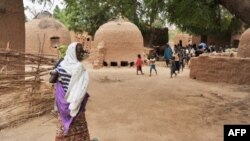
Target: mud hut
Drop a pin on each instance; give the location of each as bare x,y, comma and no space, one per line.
45,31
12,33
244,46
116,43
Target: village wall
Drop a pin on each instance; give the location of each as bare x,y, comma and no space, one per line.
232,70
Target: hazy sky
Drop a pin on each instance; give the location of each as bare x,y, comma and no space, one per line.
35,8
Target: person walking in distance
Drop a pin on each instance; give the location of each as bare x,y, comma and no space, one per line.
139,64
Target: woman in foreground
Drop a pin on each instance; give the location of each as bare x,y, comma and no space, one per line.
71,96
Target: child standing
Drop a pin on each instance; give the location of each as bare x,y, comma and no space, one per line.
152,65
173,67
177,61
182,59
139,65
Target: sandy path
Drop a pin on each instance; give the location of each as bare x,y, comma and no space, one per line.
127,107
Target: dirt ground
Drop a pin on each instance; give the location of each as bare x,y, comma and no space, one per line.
127,107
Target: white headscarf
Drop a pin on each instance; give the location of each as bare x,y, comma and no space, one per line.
79,80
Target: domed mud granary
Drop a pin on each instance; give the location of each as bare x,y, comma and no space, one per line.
244,46
43,29
117,42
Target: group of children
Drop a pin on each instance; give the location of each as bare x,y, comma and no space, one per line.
176,63
139,63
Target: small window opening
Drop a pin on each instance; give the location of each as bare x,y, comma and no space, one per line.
180,43
105,63
236,43
113,64
124,63
55,42
132,64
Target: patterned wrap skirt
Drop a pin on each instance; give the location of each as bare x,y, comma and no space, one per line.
78,130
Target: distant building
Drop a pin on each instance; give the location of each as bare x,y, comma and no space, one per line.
183,39
45,31
222,40
116,43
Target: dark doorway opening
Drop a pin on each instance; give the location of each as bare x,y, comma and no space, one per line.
236,43
124,63
204,38
180,43
131,64
114,64
55,41
105,64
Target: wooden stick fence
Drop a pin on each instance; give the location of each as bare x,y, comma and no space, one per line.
24,88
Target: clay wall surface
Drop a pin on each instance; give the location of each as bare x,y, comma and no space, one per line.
12,29
244,46
218,40
82,38
221,69
73,36
185,38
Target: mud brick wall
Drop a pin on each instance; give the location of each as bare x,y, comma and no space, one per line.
12,31
244,44
232,70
